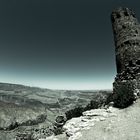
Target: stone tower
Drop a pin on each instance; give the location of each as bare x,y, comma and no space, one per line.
126,30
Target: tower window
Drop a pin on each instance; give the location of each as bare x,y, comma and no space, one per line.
124,27
127,43
126,14
134,43
138,62
137,43
118,15
131,64
136,31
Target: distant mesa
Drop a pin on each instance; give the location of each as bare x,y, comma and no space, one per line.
126,29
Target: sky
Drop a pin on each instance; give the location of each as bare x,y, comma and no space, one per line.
59,44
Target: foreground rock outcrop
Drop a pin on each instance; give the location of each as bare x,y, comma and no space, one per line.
104,124
75,126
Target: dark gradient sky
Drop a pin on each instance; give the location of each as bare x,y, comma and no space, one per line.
59,44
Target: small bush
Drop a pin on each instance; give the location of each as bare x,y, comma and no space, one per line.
109,99
94,104
24,136
124,95
97,102
58,130
76,112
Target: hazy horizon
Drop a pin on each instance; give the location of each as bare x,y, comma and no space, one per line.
60,87
59,44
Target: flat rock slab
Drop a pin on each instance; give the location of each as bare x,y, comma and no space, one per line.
110,124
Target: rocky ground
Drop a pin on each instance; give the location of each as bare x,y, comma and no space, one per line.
104,124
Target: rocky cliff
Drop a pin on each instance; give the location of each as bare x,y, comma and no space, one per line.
104,124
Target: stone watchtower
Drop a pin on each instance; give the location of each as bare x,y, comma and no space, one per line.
126,30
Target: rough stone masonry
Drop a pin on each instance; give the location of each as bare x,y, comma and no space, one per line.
126,30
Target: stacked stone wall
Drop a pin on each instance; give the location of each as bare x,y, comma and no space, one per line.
126,29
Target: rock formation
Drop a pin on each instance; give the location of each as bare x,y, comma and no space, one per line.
126,30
